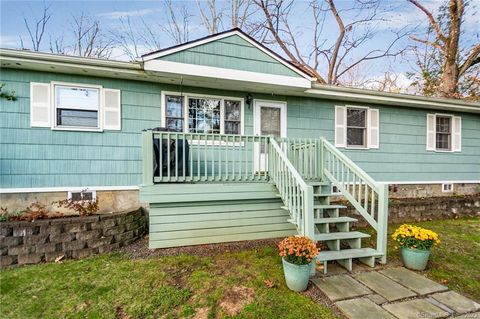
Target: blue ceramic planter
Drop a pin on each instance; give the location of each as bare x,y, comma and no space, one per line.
296,276
415,259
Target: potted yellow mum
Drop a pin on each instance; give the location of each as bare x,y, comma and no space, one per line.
415,244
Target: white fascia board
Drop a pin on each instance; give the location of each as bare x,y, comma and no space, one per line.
66,189
224,74
400,100
221,36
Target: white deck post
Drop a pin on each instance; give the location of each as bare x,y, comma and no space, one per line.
382,222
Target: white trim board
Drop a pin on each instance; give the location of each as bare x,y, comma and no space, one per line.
209,39
66,189
224,74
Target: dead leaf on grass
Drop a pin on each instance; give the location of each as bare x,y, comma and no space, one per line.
59,259
235,299
269,283
444,281
202,313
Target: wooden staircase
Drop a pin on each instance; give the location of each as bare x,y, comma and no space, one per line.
334,230
308,201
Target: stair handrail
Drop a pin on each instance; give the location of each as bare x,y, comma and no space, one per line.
368,197
295,193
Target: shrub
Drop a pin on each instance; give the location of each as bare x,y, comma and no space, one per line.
298,250
33,212
81,207
415,237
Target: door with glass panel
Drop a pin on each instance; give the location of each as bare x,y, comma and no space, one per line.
270,119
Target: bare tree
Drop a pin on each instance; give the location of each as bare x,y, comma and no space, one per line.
88,38
178,26
36,28
444,63
210,15
338,57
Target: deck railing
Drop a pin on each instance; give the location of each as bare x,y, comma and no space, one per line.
295,193
369,197
196,157
304,154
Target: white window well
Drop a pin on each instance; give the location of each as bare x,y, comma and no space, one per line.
82,195
447,188
193,113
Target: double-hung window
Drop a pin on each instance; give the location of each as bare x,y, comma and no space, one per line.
202,114
357,127
444,133
77,106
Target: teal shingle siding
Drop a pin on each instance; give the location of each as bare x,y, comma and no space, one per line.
231,52
40,157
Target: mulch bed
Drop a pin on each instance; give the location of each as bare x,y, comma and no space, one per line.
140,250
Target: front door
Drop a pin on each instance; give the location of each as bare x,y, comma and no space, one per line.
270,118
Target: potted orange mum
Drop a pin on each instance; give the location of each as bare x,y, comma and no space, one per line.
297,253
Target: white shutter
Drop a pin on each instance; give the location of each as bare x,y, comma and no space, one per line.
40,104
457,134
111,109
340,126
374,128
431,136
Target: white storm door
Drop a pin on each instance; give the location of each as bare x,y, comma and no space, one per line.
270,119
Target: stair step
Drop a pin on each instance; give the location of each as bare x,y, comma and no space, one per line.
347,253
341,235
334,220
318,183
329,206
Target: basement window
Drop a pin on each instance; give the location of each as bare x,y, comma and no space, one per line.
447,188
82,196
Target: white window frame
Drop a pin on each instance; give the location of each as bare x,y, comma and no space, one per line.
451,133
94,193
55,126
445,188
186,96
367,128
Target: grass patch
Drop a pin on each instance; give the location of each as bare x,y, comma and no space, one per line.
455,262
114,286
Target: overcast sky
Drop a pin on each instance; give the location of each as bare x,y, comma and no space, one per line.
397,13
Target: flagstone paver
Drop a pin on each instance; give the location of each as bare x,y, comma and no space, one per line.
413,281
377,299
362,308
384,286
474,315
414,309
456,302
340,287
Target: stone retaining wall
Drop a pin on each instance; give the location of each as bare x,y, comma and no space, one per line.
410,210
73,237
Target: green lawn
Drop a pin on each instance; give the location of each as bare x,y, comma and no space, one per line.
115,286
456,261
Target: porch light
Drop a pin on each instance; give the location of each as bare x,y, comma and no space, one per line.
249,99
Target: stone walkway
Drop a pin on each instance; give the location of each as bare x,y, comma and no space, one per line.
392,293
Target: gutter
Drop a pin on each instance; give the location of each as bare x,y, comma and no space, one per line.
68,59
396,99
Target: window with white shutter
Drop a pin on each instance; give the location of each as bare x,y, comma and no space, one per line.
40,104
457,134
111,109
444,133
373,128
340,126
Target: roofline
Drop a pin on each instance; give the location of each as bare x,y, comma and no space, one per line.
221,35
61,58
317,90
400,99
